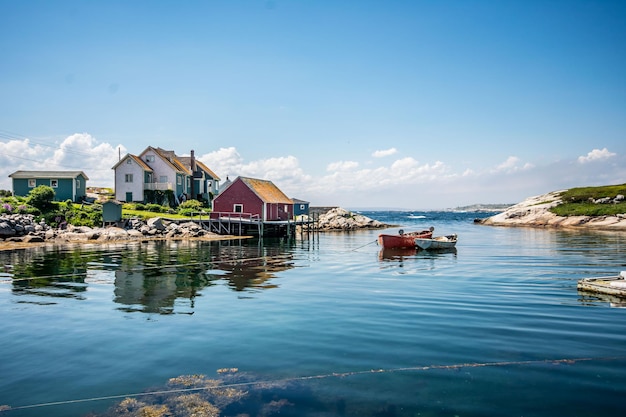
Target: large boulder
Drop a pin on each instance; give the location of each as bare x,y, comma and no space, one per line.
156,223
341,219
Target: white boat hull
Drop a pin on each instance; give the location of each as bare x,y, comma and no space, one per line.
437,243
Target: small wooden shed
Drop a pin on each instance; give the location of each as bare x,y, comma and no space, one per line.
111,212
300,207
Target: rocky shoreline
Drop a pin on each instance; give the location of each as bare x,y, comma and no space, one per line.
535,212
21,230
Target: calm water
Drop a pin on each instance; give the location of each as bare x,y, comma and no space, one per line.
495,328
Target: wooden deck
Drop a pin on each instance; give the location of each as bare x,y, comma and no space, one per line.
614,285
247,224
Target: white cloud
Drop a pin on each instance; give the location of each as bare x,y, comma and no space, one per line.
512,164
224,162
509,164
80,151
383,153
342,166
596,155
403,182
285,172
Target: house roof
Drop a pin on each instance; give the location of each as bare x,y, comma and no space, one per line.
137,159
47,174
208,170
171,157
266,190
187,161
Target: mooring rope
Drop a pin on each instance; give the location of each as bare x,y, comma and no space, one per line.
567,361
360,247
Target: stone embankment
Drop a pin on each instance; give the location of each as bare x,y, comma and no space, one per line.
22,228
339,219
535,212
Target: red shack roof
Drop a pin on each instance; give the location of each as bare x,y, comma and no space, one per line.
266,190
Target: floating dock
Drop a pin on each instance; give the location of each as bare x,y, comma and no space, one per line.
612,285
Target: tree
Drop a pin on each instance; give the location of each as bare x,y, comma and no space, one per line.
41,196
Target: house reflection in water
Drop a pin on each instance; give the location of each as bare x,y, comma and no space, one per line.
248,268
151,277
169,289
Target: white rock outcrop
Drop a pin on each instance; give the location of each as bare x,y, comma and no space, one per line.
342,219
535,212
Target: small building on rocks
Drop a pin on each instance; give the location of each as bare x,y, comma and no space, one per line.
67,185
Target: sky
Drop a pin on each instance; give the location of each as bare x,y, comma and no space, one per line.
417,105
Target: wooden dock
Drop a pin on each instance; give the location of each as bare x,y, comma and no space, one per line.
612,285
246,224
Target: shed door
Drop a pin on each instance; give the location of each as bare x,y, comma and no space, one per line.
129,196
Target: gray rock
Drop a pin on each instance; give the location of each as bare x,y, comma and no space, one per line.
156,223
6,229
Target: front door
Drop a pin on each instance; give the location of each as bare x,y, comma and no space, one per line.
129,197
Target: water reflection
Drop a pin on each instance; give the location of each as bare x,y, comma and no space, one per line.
396,254
150,277
251,267
592,299
403,254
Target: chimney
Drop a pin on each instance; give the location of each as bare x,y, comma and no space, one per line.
193,172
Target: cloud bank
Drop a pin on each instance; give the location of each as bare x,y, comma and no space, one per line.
400,181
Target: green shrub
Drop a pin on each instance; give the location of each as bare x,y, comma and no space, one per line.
191,204
41,197
155,208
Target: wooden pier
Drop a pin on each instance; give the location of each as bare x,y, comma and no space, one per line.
247,224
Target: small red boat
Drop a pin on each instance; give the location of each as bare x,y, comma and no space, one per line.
403,240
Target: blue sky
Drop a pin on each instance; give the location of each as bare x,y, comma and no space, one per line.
402,104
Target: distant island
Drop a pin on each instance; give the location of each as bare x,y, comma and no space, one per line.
484,207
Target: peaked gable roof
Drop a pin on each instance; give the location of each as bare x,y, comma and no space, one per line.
266,190
47,174
135,158
170,158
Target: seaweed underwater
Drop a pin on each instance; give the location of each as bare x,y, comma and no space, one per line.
231,393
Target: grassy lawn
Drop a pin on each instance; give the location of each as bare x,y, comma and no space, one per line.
577,201
144,214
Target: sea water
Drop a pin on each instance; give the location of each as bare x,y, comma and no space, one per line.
326,324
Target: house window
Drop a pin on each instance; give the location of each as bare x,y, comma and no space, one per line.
129,161
77,183
238,208
286,208
128,178
149,158
188,182
32,183
302,206
179,180
54,183
208,184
